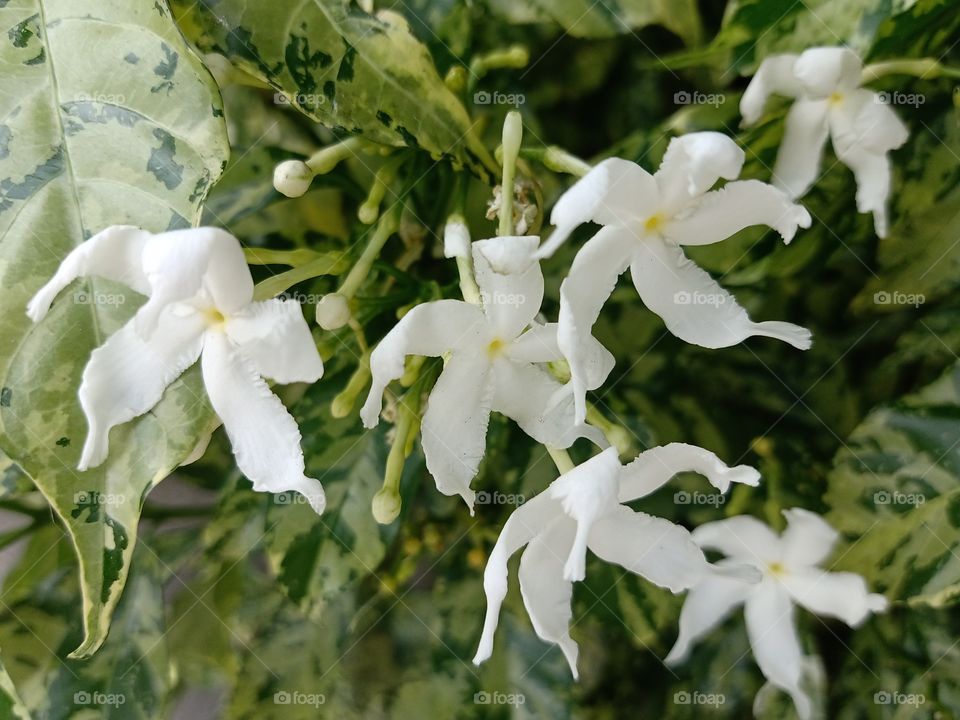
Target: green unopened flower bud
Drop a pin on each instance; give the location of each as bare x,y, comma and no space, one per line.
292,178
333,311
386,505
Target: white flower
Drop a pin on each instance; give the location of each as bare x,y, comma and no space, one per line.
646,219
582,509
790,575
829,101
493,365
200,304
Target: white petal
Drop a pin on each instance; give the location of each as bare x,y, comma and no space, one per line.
430,329
655,467
538,344
693,306
615,192
546,594
126,376
592,277
182,264
510,281
660,551
808,539
692,164
876,126
707,605
773,638
528,520
774,76
264,436
274,335
588,492
454,427
539,404
717,215
114,254
801,149
741,537
825,70
841,595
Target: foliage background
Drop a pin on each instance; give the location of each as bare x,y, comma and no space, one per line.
234,596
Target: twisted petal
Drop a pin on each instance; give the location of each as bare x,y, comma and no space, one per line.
429,329
546,594
808,539
527,521
264,436
539,404
655,467
615,192
773,638
126,376
536,345
114,254
717,215
592,277
804,135
741,537
693,306
707,605
454,428
184,264
275,337
510,281
841,595
692,165
588,493
774,76
660,551
826,70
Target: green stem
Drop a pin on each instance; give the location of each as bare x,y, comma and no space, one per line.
381,233
924,68
512,136
557,159
561,458
329,263
293,258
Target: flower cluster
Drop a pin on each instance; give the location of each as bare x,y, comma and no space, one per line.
499,355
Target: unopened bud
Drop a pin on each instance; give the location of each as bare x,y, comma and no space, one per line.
333,311
292,178
386,505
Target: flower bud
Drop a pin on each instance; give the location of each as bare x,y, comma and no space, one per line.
386,505
333,311
292,178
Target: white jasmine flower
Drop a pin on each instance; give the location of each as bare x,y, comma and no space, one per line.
791,575
494,364
829,101
582,509
646,219
200,305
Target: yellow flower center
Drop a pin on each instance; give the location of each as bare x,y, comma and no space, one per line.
214,318
496,347
777,569
654,222
835,98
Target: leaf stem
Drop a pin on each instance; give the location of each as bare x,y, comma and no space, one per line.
387,225
923,68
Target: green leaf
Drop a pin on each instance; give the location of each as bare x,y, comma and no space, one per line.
354,72
109,119
895,490
10,704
